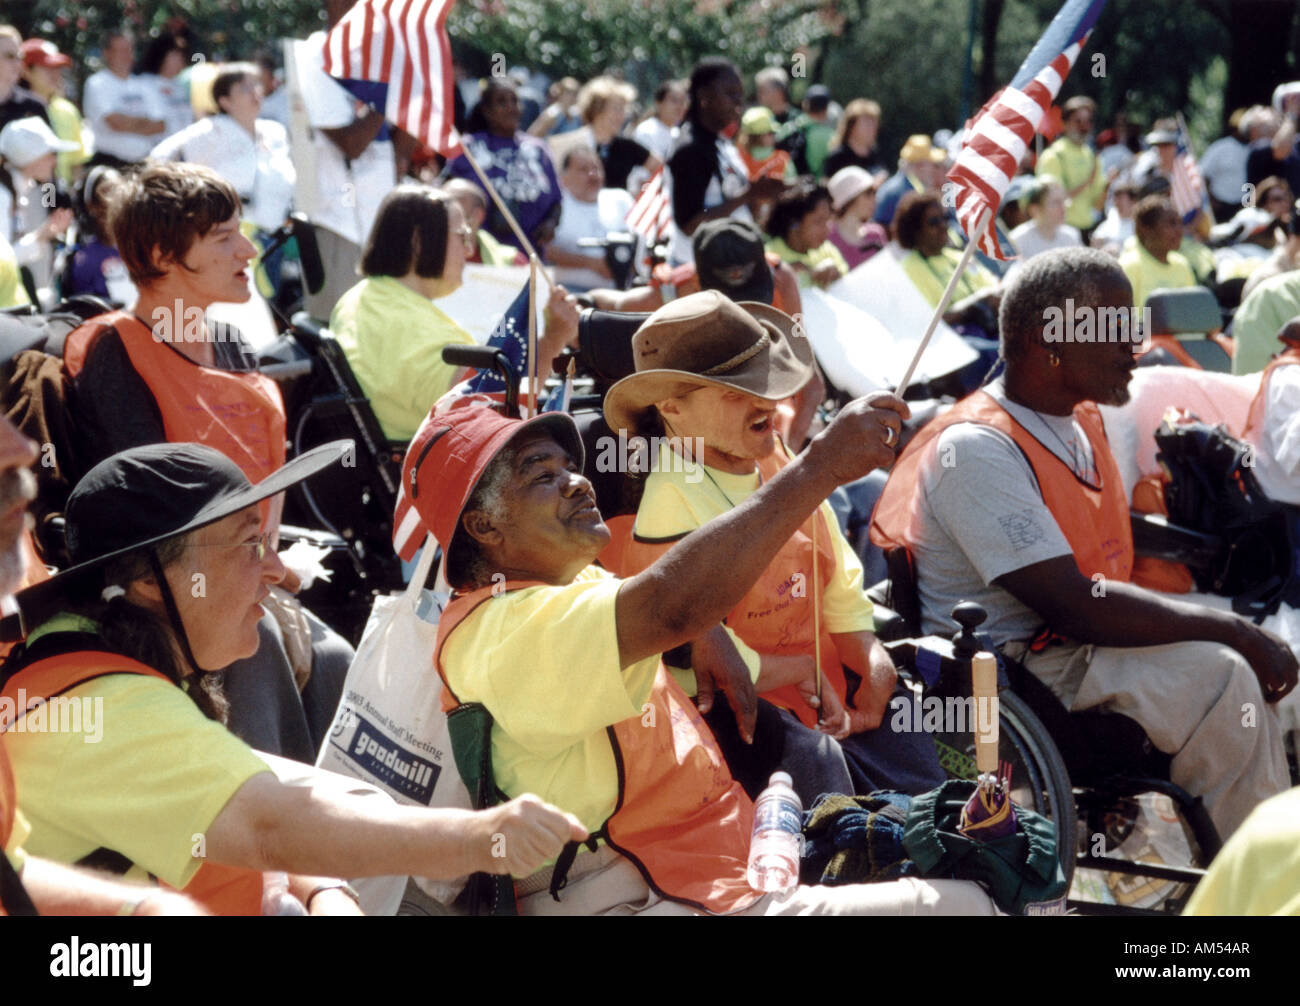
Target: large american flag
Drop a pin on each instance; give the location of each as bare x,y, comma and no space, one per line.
651,215
997,138
395,55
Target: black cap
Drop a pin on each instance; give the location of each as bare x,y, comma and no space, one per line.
143,496
729,258
817,97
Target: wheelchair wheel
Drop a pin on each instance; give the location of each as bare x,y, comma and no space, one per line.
1039,780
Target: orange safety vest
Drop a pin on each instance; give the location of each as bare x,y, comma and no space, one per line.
680,817
776,615
1094,520
241,414
224,890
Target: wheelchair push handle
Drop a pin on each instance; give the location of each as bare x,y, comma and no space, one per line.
487,358
984,689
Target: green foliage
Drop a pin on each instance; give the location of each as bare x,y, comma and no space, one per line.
224,29
643,40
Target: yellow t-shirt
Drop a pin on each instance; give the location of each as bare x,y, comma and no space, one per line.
544,661
65,121
811,260
931,275
1071,163
1147,275
676,501
145,776
1258,870
393,339
17,836
12,291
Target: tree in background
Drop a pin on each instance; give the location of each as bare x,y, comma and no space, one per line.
1205,57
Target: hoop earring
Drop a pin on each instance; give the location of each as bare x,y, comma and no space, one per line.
1053,359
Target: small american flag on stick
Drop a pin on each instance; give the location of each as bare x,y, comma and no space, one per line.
652,214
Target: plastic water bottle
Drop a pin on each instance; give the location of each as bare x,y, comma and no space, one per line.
777,841
276,899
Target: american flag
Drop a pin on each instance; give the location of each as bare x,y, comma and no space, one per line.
997,138
395,55
1186,187
409,529
651,215
511,337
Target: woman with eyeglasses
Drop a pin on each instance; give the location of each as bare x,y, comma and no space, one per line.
391,331
145,780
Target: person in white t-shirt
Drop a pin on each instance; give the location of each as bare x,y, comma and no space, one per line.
657,132
28,219
248,151
355,168
588,210
1046,227
124,111
161,65
1112,233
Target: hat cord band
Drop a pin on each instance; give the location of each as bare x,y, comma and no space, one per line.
739,358
173,613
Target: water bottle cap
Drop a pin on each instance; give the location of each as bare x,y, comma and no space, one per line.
781,777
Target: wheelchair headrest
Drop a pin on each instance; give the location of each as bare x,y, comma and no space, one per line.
1191,309
605,342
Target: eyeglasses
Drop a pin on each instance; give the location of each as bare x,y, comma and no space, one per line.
259,545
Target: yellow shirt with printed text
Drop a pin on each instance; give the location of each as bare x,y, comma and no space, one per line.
679,498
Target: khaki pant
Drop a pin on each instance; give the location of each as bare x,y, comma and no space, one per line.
1197,701
606,883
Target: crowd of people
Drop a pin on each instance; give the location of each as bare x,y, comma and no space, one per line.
641,680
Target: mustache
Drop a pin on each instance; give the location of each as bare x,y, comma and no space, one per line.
18,485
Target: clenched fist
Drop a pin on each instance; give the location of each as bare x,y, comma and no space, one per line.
863,437
519,836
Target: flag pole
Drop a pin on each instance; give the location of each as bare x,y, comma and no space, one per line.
817,616
533,270
505,210
944,301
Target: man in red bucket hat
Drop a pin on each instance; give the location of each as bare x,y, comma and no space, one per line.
565,660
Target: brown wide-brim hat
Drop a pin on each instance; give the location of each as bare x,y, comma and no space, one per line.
709,340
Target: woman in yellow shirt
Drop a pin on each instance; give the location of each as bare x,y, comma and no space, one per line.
800,229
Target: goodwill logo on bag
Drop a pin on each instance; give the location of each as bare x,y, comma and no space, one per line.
403,772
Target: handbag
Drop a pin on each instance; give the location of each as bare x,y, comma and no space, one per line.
390,729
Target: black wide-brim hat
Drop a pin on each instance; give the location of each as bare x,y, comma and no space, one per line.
141,497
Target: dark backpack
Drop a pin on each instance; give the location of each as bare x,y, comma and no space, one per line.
1212,488
33,396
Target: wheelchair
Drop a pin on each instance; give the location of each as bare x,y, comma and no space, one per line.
1084,771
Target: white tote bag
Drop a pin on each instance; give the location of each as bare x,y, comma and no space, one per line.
390,729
